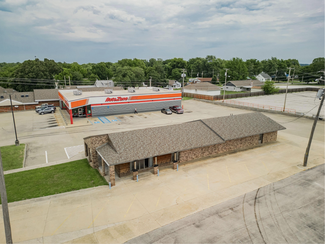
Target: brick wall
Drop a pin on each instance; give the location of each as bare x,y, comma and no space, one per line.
164,159
269,137
228,146
26,107
93,143
123,169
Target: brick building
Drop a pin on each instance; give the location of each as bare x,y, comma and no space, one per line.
125,152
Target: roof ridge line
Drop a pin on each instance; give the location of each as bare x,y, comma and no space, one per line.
212,129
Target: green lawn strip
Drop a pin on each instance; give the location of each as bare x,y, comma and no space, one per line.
187,98
234,92
12,156
52,180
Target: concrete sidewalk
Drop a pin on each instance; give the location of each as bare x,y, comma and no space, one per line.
131,208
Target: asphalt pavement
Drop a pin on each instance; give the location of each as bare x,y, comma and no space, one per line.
287,211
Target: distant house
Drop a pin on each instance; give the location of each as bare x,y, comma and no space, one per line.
174,84
199,79
263,77
243,85
202,88
104,83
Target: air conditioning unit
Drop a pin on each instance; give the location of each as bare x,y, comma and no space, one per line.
108,91
131,89
77,93
156,89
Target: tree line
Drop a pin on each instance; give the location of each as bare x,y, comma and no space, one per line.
37,74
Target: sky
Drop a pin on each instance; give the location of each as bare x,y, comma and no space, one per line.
95,31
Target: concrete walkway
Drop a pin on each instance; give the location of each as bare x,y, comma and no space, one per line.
287,211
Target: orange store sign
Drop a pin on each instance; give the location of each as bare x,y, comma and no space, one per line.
116,99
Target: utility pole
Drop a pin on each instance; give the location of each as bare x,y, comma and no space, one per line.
4,201
276,72
13,118
183,75
150,80
191,73
69,82
65,83
224,87
313,129
212,72
302,79
202,74
285,99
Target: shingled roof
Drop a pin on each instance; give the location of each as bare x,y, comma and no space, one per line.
145,143
17,98
46,94
206,86
242,125
242,83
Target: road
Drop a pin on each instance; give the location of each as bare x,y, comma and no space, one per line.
287,211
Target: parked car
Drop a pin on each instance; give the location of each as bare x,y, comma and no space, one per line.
176,109
38,108
46,110
166,111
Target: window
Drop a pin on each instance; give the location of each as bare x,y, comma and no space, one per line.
22,95
1,96
26,95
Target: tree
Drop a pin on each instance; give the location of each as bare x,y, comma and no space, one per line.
269,87
214,79
102,71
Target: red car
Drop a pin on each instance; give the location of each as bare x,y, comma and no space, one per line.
176,109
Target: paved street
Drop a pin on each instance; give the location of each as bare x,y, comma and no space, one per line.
287,211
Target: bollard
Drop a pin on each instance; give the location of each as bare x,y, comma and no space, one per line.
158,172
137,178
109,185
177,167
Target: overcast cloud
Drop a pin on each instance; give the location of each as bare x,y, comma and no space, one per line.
98,30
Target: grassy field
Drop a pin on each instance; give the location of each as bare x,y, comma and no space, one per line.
52,180
12,156
187,98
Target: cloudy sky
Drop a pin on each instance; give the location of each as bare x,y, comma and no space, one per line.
105,30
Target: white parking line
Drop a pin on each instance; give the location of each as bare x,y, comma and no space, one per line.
65,149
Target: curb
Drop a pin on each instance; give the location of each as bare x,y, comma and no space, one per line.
25,154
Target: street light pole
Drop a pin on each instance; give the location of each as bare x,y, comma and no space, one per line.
13,118
4,201
224,88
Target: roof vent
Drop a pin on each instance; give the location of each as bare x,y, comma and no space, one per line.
131,89
108,91
156,89
77,93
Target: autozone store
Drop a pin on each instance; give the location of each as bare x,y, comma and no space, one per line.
99,103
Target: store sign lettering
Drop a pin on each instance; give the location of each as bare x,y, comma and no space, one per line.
116,99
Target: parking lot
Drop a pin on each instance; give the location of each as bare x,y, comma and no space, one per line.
299,103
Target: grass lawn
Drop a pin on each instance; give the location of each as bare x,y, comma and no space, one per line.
52,180
187,98
233,92
12,156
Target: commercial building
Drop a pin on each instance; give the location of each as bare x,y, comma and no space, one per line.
125,152
109,102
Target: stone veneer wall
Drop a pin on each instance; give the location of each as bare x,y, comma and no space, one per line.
123,169
228,146
269,137
93,143
164,159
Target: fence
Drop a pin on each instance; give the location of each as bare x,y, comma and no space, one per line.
246,94
260,106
